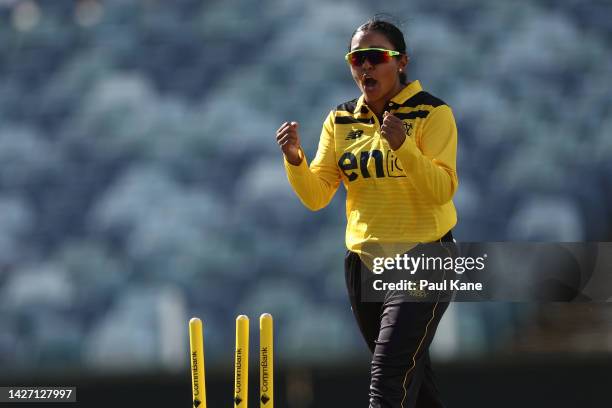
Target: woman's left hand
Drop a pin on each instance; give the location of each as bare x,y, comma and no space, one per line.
393,130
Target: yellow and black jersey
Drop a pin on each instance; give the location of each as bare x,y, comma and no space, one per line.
401,196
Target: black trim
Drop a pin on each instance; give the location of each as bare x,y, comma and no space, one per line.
348,106
346,120
411,115
422,98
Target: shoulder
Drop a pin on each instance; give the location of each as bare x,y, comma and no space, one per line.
342,113
348,106
423,98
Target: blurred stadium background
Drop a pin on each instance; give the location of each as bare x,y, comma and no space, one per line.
140,184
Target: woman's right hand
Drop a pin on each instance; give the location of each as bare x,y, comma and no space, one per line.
288,139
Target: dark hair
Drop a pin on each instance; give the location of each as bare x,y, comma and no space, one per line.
395,36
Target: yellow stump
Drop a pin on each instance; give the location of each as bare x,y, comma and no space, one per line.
196,343
241,363
266,361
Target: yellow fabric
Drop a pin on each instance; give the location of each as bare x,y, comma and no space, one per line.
393,197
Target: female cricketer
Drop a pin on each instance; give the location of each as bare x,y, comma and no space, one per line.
394,149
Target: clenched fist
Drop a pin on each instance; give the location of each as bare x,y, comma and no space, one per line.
393,130
288,139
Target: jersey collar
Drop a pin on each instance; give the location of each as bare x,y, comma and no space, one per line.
406,93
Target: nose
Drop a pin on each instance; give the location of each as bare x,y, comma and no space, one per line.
367,65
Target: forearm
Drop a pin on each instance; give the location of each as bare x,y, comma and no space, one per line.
314,190
434,179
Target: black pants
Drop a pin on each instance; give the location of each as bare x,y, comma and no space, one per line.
398,335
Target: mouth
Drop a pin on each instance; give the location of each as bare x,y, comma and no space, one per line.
369,83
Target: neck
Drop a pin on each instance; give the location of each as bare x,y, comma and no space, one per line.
378,106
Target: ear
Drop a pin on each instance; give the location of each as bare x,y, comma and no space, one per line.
403,61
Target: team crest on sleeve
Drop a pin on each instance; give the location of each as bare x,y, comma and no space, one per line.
408,128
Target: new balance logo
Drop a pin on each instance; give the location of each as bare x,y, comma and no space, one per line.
354,134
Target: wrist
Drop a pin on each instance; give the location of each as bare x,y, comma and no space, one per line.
295,159
399,142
